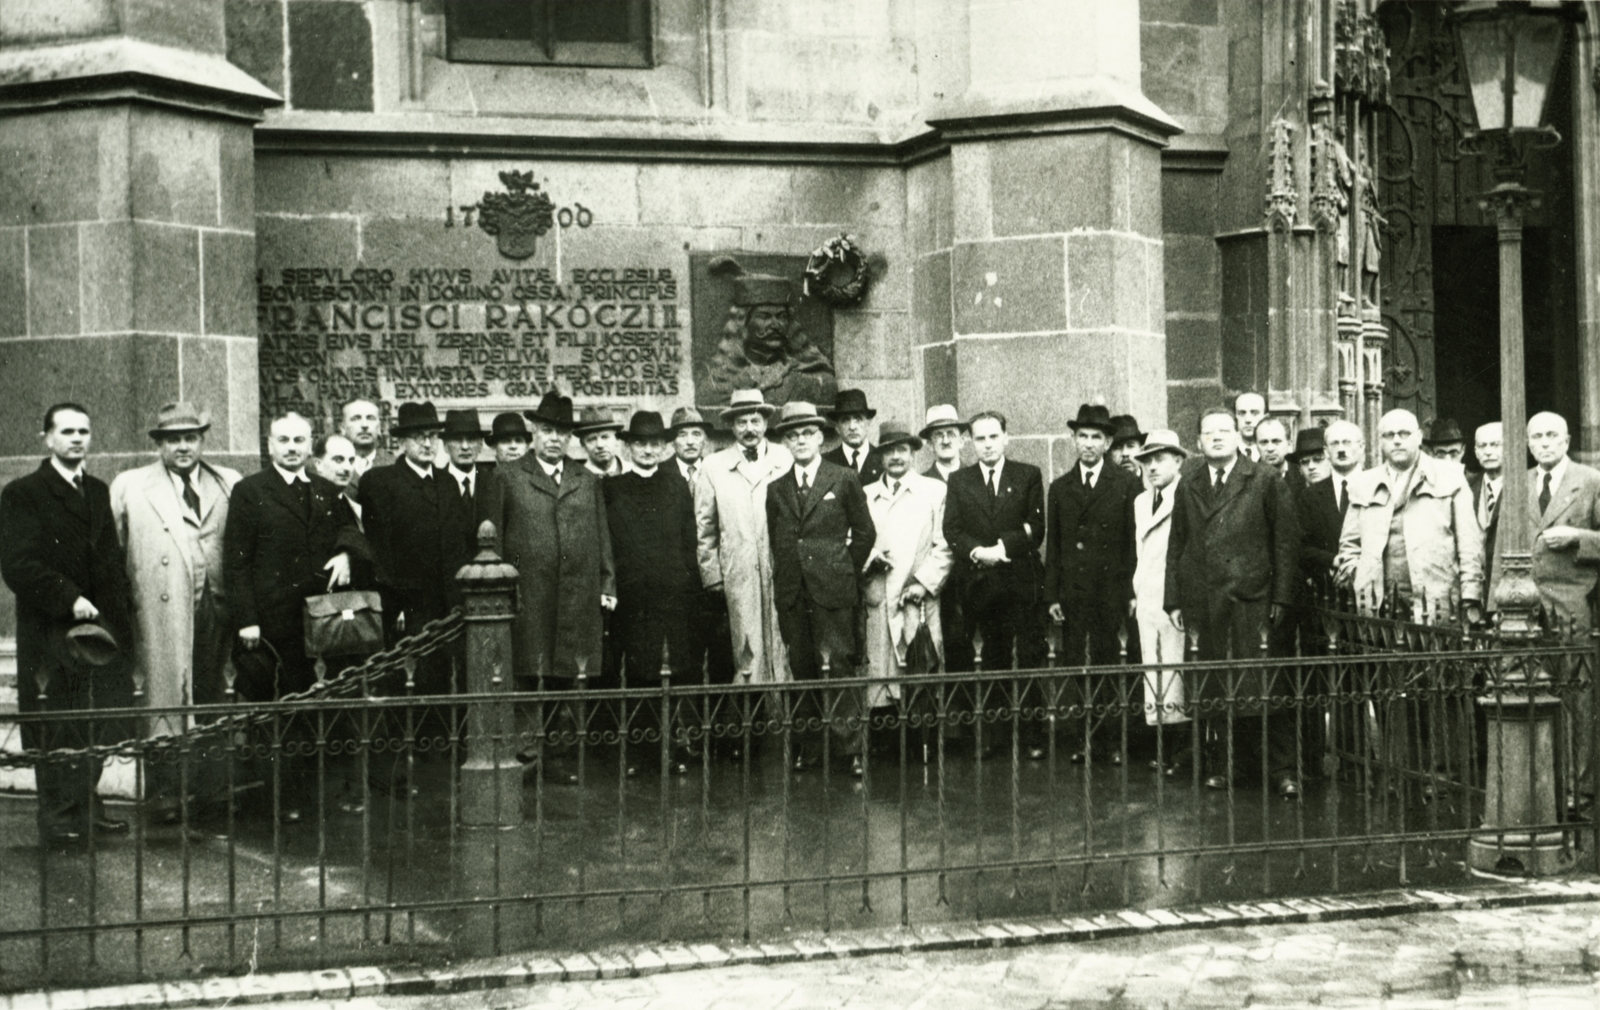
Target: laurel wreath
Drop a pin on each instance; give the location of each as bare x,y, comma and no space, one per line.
837,258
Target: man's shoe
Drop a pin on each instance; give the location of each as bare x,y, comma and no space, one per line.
1288,788
110,826
1218,782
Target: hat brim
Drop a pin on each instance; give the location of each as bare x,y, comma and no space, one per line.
784,427
961,426
834,415
556,422
1105,429
407,430
1150,450
706,426
907,439
660,435
494,438
185,429
593,429
764,409
448,433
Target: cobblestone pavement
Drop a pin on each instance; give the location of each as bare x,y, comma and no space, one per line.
1537,957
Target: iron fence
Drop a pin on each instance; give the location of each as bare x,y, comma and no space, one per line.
491,820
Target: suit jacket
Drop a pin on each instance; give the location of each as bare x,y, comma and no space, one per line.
1089,539
1491,556
1015,517
1566,578
380,458
819,545
653,537
558,539
1444,545
420,531
273,552
55,546
1243,546
172,559
871,467
1320,522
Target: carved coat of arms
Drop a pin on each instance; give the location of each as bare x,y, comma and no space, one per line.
518,217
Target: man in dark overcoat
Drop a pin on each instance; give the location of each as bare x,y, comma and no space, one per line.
59,553
1090,555
1233,559
288,537
550,516
853,417
821,532
420,528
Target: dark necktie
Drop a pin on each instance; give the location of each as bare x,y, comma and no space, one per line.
466,488
750,453
555,475
895,489
1339,495
993,482
691,473
805,483
302,488
1155,503
77,484
1544,495
1088,478
1216,482
190,497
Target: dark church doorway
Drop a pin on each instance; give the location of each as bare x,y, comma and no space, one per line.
1466,287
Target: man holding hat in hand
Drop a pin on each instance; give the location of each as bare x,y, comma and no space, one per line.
735,554
822,533
59,554
854,418
170,516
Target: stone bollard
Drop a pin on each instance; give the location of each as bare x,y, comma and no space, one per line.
491,778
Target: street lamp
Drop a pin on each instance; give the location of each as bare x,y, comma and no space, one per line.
1510,50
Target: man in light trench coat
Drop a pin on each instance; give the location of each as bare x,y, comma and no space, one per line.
735,554
170,516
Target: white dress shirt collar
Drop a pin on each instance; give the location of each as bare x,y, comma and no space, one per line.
66,475
419,471
1090,475
1227,471
992,474
1557,473
810,470
550,469
290,476
469,477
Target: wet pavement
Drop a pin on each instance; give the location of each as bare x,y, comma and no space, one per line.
731,849
1535,957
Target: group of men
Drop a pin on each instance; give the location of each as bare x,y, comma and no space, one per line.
764,561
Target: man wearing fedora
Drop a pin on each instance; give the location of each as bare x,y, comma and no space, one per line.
462,437
508,437
764,350
910,561
1089,553
602,449
710,655
821,532
1126,440
735,553
170,517
944,430
1445,440
853,418
1161,457
60,556
1321,517
550,515
287,538
419,524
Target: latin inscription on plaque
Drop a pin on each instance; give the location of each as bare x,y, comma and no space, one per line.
467,336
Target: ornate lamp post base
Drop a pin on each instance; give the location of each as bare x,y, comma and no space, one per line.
1521,788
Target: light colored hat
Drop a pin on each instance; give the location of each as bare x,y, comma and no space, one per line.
180,418
943,415
1161,440
797,414
743,401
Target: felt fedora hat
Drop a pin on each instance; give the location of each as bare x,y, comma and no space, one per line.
89,643
1161,440
745,401
1125,429
596,419
1093,415
1445,431
687,417
798,414
180,418
507,426
415,418
850,401
892,433
553,409
645,424
942,415
462,424
1307,441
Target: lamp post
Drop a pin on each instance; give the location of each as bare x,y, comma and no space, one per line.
1510,50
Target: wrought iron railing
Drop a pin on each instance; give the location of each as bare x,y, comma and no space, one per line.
669,811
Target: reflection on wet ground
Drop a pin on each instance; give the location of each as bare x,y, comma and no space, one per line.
731,848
